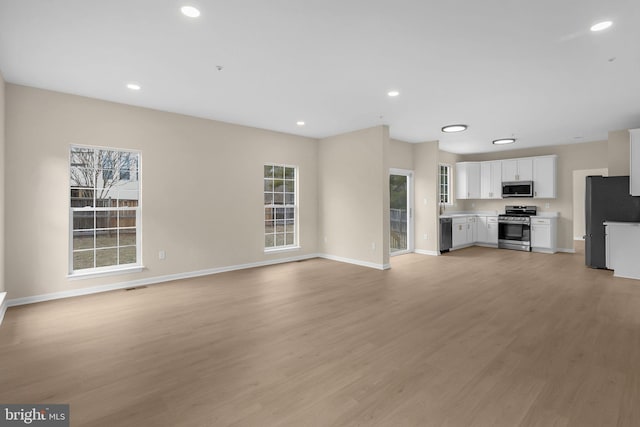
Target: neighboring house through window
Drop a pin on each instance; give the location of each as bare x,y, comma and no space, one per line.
104,209
445,184
280,206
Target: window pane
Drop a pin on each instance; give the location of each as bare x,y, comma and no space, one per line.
278,198
289,238
268,198
106,238
127,237
289,173
268,240
82,177
105,201
279,226
278,172
269,227
127,218
81,197
278,185
82,260
106,219
290,227
128,197
82,240
279,213
106,257
268,214
290,186
279,239
128,255
268,185
268,171
83,220
290,198
289,213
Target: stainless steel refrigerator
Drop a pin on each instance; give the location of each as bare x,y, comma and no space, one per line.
607,199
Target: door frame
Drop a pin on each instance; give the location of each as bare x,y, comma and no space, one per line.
410,207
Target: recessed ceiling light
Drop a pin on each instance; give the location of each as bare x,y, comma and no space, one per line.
601,26
300,123
133,86
393,93
190,11
454,128
504,141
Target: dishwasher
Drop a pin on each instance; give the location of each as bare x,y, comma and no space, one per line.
445,234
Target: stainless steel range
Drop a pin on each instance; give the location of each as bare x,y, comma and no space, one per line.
514,227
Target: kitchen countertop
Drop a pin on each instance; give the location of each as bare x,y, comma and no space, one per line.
622,223
494,213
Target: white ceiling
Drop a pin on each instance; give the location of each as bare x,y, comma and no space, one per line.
531,69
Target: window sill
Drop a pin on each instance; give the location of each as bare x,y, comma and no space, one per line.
110,272
282,249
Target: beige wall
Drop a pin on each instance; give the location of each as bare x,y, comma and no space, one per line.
618,153
425,158
202,199
592,155
2,171
400,155
353,185
579,192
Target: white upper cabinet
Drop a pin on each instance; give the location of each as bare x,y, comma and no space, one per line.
544,177
635,162
468,180
517,170
483,180
491,180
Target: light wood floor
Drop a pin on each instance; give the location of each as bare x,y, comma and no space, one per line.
479,337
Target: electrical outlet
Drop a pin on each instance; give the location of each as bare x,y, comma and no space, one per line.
424,236
473,205
162,255
373,246
425,202
325,239
546,205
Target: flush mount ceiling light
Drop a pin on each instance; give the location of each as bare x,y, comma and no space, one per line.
393,93
454,128
601,26
300,123
504,141
133,86
190,11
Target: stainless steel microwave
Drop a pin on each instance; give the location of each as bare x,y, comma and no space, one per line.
517,189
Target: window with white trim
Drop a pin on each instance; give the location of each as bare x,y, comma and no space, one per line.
280,206
104,213
445,184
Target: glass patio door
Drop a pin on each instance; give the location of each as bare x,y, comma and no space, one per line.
400,211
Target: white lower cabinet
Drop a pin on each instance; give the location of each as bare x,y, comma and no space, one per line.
469,230
487,231
459,232
543,235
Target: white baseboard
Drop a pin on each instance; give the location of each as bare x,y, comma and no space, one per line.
355,262
149,281
3,305
568,251
578,237
425,252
